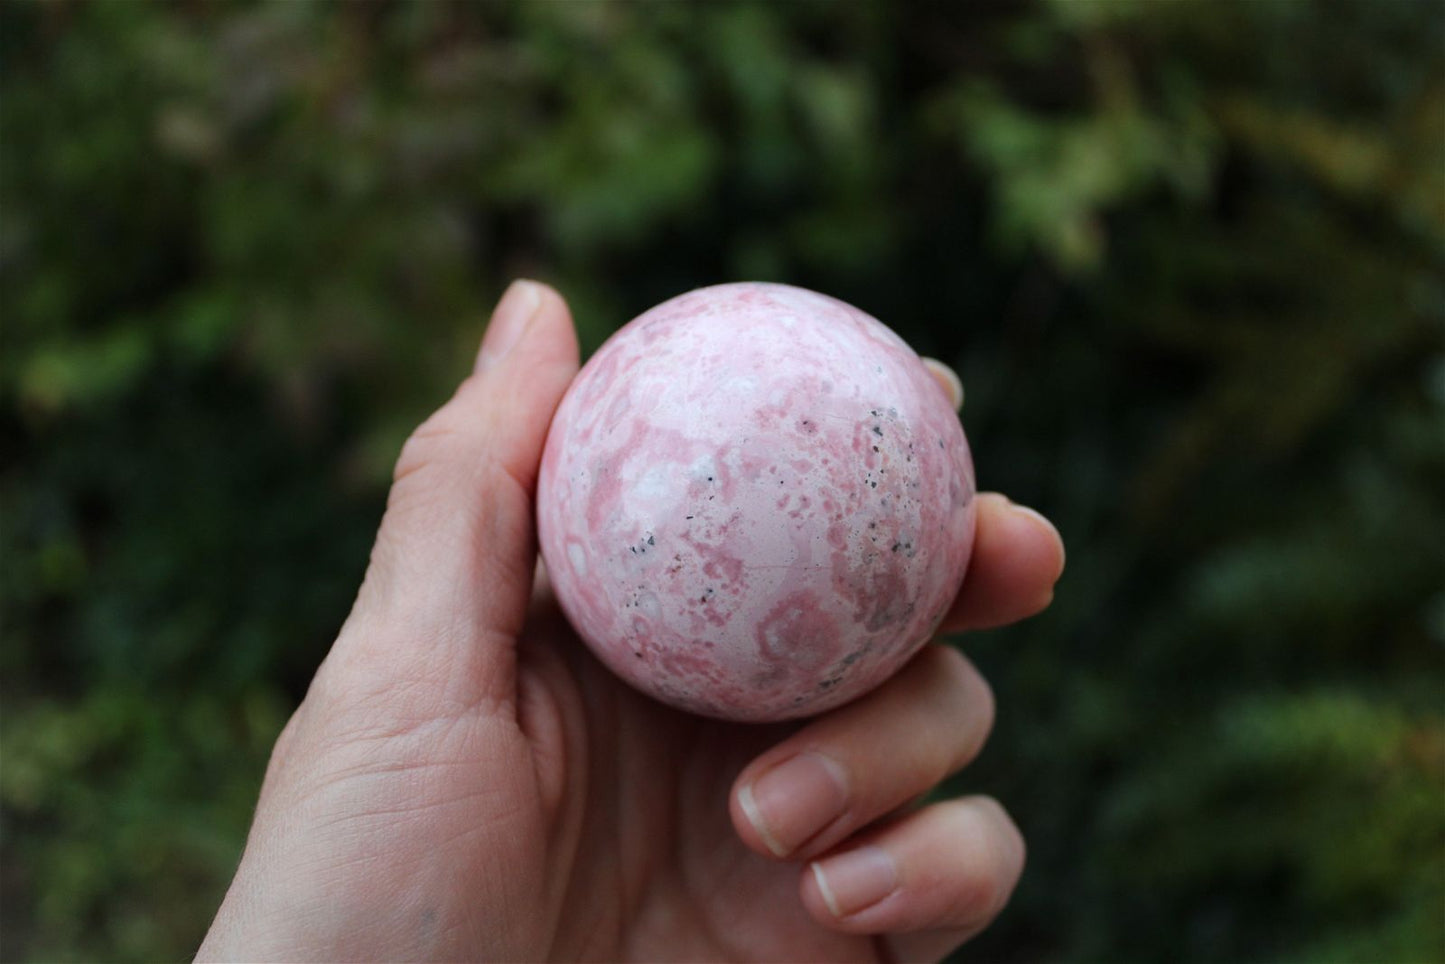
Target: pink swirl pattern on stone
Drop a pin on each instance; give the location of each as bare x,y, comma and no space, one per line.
755,502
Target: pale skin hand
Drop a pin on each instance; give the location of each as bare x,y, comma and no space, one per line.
464,781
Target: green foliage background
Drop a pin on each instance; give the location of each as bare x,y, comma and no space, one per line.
1188,257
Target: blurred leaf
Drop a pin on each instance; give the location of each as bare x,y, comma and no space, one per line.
1187,257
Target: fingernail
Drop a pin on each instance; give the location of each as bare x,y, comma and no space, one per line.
1043,521
509,320
948,379
855,880
794,800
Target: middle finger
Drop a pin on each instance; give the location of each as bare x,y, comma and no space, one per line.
866,759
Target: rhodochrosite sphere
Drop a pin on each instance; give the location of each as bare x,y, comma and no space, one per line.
755,503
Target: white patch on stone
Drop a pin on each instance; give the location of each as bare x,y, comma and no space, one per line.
653,486
740,387
703,470
578,557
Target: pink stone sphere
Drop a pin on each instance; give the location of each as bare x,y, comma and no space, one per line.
755,502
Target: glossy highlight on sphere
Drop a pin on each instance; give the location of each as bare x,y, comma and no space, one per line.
755,502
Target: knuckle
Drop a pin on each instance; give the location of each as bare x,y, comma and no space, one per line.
420,448
988,808
960,677
432,436
949,662
282,749
984,882
1005,838
971,705
986,708
980,898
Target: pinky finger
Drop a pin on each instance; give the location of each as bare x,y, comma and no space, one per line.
927,882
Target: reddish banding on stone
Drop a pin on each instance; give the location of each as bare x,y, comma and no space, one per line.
755,502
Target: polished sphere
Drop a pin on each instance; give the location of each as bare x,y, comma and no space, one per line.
755,502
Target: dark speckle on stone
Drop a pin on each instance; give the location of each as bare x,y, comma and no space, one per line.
649,540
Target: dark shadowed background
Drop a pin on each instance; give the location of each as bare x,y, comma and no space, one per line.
1188,258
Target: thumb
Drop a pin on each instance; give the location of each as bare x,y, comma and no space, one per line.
446,592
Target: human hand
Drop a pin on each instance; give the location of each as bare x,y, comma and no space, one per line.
465,781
